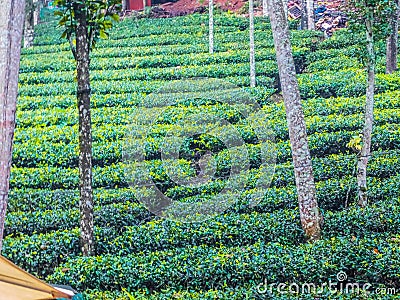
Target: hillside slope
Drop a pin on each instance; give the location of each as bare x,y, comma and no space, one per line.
228,256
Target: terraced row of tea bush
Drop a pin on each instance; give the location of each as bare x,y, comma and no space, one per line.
228,256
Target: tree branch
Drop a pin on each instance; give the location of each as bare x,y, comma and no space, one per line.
91,36
109,10
71,44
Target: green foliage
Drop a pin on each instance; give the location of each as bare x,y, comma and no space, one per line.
234,228
99,17
378,11
202,267
376,14
228,256
235,293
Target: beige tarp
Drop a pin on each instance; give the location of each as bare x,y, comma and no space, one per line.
16,284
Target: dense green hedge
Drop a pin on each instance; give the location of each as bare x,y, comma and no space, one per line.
323,84
202,267
344,83
31,199
335,63
45,251
61,147
107,175
247,291
115,214
332,195
27,104
341,40
60,110
189,33
113,174
31,125
36,71
142,65
338,106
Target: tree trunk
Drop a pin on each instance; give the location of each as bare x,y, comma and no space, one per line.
310,15
307,14
391,43
36,13
264,8
211,25
285,6
252,54
85,132
304,16
29,24
309,212
124,6
11,24
369,116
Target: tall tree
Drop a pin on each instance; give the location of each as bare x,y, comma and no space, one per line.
32,17
85,22
310,14
370,16
286,8
211,25
307,14
252,52
264,8
36,14
29,23
392,40
369,112
11,24
310,215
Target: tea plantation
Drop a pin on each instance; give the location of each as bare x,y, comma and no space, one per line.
141,256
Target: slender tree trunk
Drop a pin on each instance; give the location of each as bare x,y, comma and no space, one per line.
309,212
29,24
124,6
310,15
211,25
304,16
307,14
369,117
252,54
11,24
36,13
85,132
264,8
285,6
391,44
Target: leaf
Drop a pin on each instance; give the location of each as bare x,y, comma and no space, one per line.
108,24
355,143
115,17
58,13
63,20
64,34
103,34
